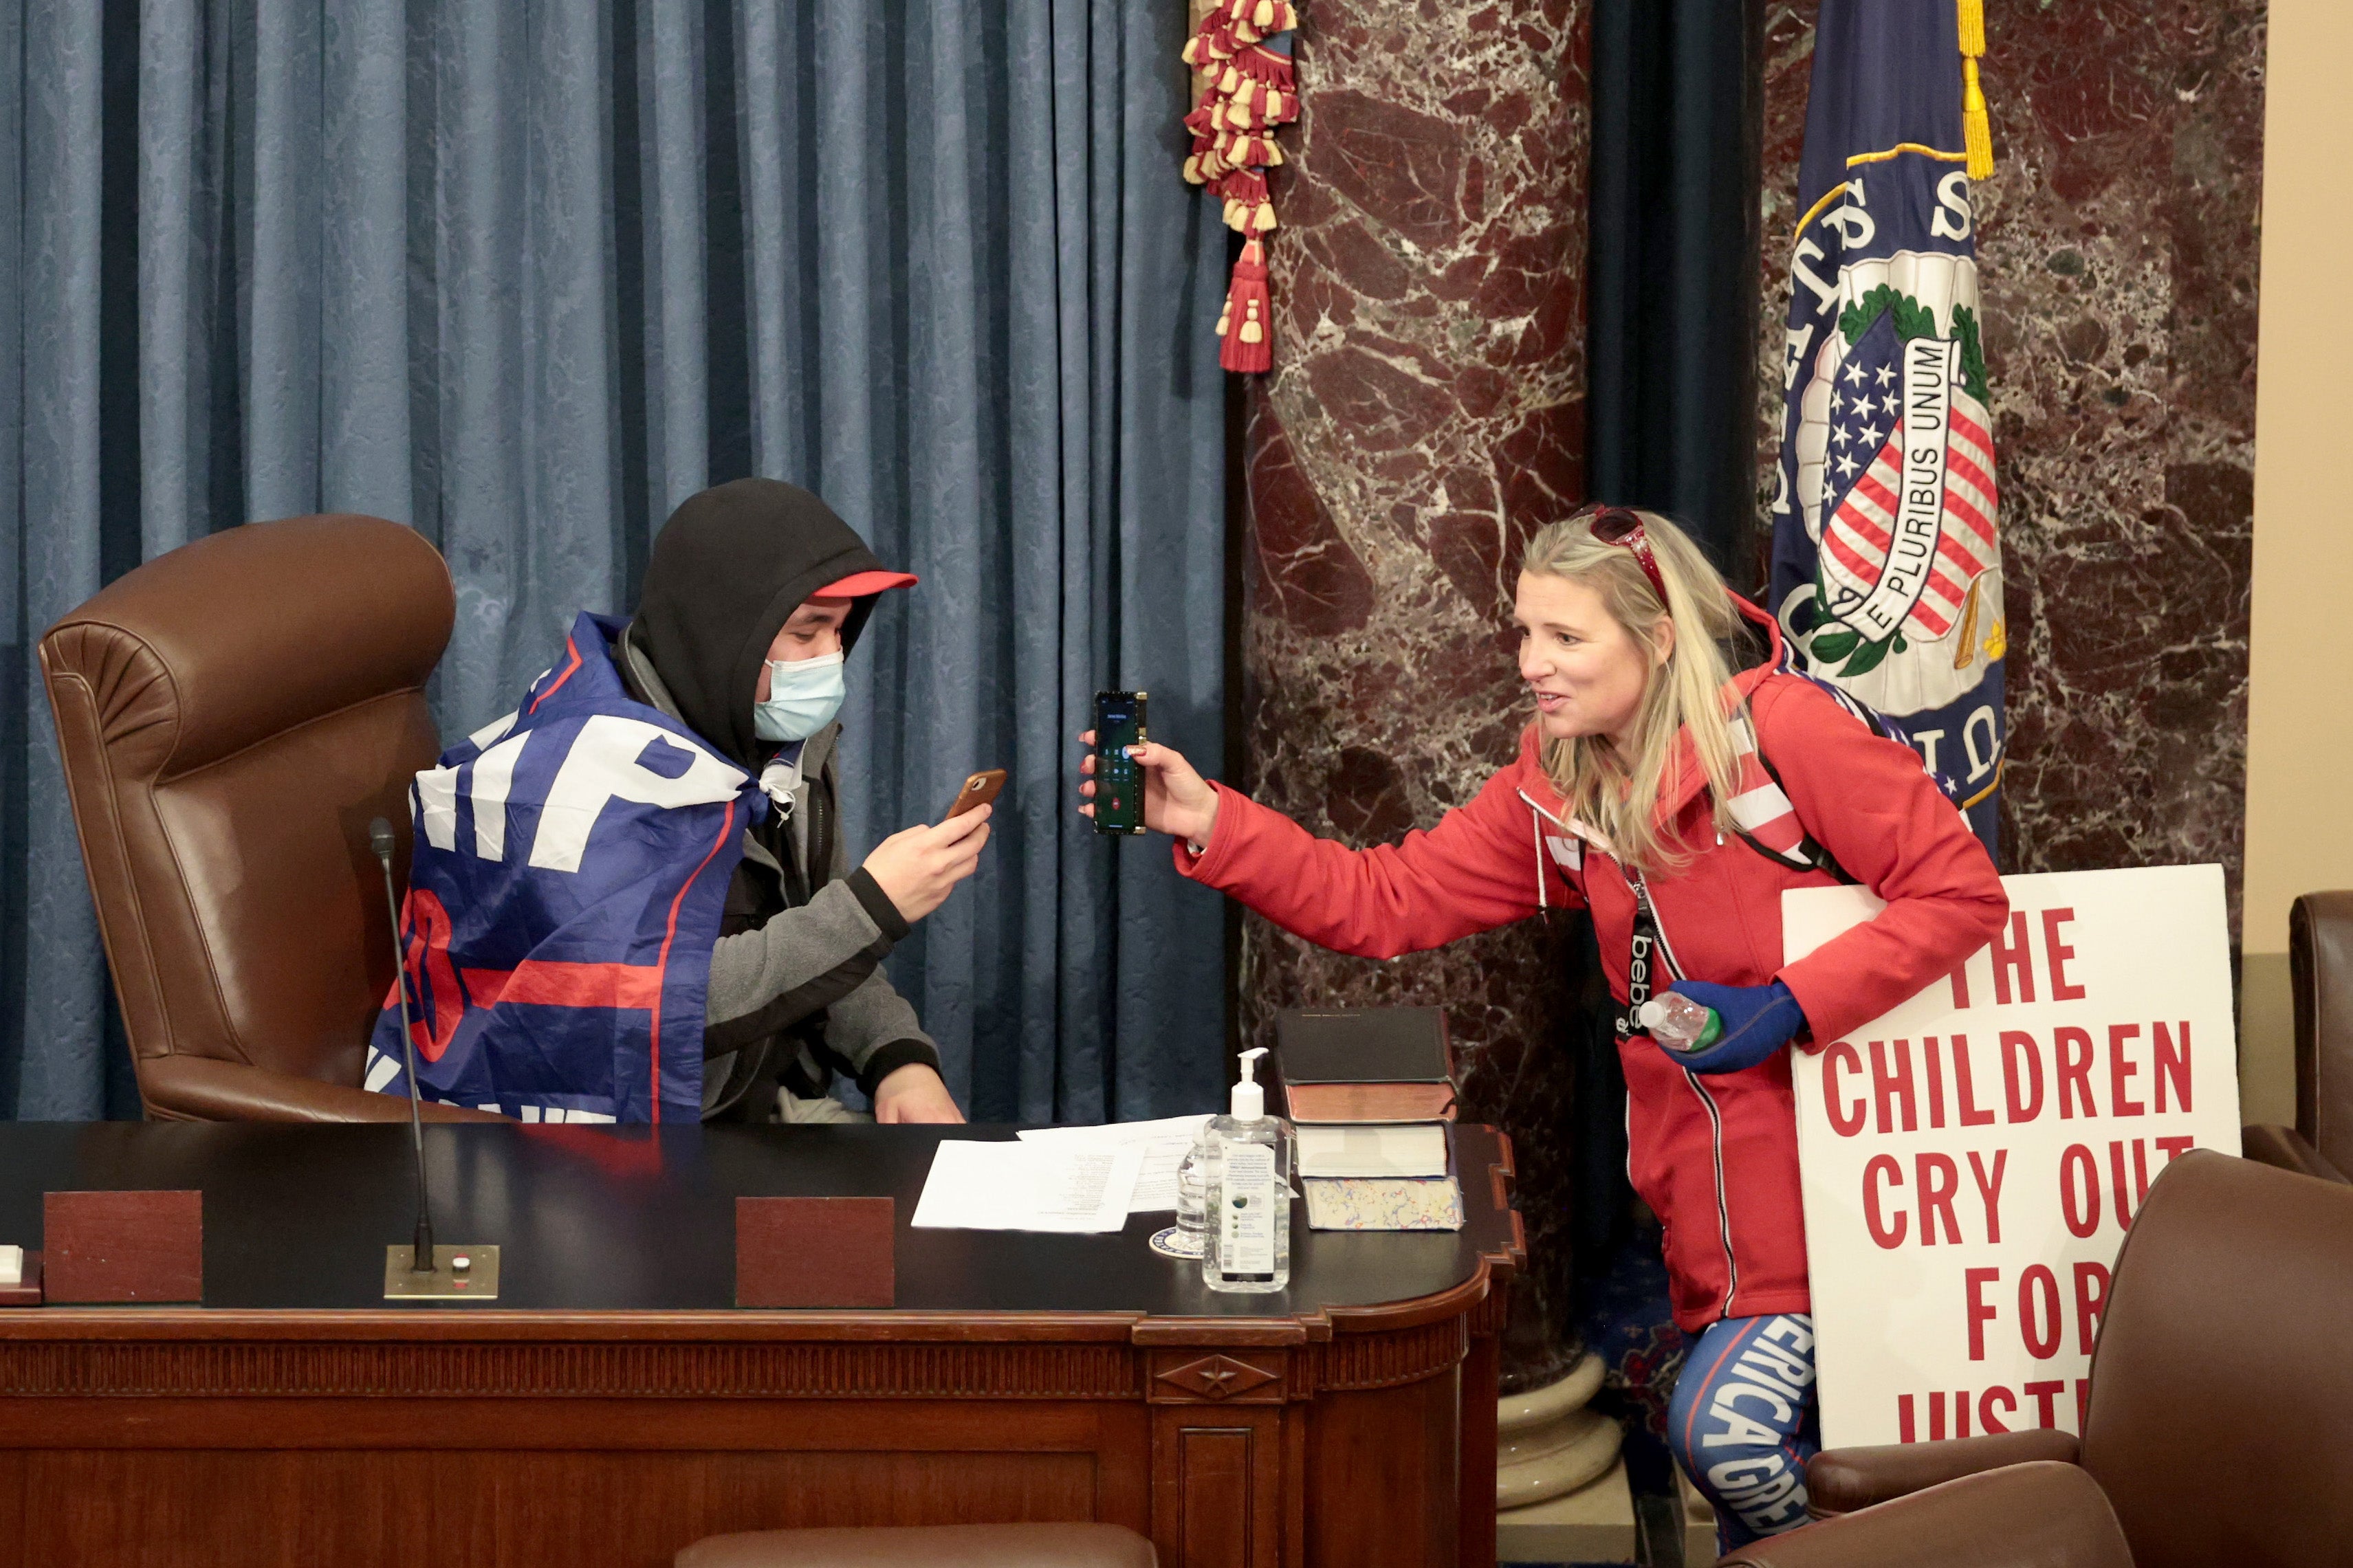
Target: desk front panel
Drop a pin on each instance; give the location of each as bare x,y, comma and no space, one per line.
1319,1426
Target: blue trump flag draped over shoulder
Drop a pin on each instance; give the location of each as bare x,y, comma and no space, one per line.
1886,554
569,875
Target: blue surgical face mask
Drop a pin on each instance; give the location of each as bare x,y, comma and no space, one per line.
804,694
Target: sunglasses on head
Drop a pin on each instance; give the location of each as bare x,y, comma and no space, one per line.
1616,525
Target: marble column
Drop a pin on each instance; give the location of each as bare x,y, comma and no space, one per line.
1424,416
2117,255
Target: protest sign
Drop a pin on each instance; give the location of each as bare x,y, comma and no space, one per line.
1971,1159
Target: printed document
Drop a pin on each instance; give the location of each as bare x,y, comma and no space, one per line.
975,1185
1163,1144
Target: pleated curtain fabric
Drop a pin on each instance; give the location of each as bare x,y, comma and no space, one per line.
526,273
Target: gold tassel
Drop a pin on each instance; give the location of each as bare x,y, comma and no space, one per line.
1264,220
1264,18
1972,20
1976,126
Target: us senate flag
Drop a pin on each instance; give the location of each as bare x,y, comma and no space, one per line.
1886,539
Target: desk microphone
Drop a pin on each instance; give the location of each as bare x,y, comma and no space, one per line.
438,1273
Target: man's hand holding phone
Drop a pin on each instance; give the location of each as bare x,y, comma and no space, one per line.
917,867
1177,800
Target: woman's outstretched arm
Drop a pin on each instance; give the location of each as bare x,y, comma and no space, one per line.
1477,869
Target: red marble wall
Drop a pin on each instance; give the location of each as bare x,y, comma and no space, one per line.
1425,414
2117,251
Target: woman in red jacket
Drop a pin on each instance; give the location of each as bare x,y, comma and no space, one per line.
1676,801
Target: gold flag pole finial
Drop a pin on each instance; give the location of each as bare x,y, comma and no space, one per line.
1976,128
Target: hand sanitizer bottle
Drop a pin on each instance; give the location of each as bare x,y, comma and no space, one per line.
1249,1154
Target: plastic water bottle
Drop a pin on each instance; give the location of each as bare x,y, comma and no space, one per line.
1680,1024
1192,1196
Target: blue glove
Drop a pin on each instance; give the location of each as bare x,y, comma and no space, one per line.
1758,1021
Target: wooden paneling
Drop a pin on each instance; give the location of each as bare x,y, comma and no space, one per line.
1376,1502
1218,1485
1213,1497
494,1508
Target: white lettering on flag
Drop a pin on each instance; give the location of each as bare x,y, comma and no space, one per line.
437,806
493,777
604,764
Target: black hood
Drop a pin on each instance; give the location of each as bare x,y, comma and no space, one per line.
728,569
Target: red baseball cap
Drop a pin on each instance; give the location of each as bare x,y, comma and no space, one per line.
859,584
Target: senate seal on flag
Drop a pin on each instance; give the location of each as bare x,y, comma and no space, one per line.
1894,485
1887,560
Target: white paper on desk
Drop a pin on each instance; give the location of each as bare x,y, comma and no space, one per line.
1164,1143
1025,1186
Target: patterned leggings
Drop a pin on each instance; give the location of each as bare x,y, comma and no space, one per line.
1744,1423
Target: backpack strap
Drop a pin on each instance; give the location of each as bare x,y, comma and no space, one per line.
1810,856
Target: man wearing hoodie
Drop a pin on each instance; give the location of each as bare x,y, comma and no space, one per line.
655,831
759,582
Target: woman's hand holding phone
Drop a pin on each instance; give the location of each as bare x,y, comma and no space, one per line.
1177,800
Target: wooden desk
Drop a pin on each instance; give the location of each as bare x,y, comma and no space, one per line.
611,1407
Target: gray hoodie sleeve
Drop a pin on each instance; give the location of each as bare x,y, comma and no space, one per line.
874,1030
825,954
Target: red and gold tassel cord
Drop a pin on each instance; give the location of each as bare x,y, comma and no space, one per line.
1976,126
1248,318
1247,91
1248,210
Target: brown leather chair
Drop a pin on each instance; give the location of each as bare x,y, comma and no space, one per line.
2320,965
927,1546
231,715
2320,969
2221,1413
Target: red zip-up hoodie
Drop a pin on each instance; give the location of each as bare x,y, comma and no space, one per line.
1714,1155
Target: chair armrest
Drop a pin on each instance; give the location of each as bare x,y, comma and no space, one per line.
1842,1480
199,1089
2286,1148
2050,1514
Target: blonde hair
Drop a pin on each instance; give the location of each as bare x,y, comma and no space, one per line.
1617,794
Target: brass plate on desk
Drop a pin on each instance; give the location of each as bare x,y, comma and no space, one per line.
478,1282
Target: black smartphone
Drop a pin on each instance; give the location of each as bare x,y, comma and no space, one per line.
1119,780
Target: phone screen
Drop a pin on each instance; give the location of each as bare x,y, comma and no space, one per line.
1119,783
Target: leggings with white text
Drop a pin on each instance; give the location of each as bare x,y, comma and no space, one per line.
1744,1423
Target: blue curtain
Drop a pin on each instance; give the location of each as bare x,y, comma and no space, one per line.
526,273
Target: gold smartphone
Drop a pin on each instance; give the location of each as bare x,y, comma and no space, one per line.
979,790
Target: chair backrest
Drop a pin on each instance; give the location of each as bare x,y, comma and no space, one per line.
2320,964
2221,1403
231,715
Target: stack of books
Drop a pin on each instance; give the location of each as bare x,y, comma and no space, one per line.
1370,1092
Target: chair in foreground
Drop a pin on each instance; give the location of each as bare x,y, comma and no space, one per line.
927,1546
231,715
2221,1413
2320,966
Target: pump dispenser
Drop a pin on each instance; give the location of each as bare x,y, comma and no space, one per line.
1248,1179
1250,1094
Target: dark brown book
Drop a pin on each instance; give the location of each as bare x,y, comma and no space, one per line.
1361,1066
